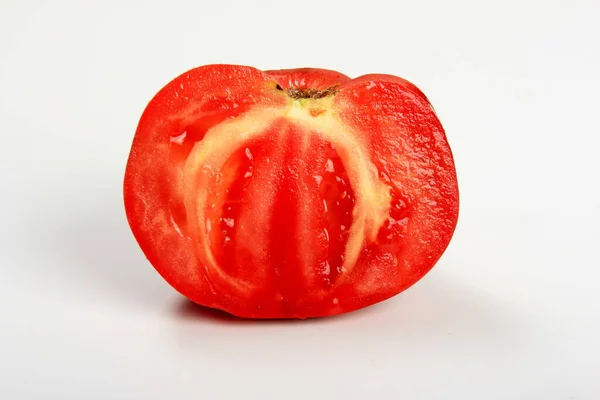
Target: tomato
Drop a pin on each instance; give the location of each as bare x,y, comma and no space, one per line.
290,194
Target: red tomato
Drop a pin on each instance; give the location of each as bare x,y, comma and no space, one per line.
290,194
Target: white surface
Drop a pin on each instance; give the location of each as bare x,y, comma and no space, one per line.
512,311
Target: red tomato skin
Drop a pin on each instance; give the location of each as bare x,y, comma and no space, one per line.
276,213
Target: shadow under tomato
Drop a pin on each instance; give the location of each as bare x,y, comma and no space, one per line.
189,311
435,309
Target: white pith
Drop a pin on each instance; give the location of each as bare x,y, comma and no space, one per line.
372,197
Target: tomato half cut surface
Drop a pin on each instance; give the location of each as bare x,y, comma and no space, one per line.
290,194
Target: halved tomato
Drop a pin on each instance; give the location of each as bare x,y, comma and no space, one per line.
290,194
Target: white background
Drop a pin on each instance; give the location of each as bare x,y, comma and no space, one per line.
512,311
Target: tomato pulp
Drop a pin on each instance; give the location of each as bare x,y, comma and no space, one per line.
290,194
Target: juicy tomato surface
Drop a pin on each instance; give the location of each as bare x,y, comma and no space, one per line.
290,194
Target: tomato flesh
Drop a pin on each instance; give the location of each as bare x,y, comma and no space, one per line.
292,193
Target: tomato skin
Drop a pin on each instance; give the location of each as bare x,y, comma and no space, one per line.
290,194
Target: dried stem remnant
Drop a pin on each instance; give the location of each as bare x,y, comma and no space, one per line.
309,93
